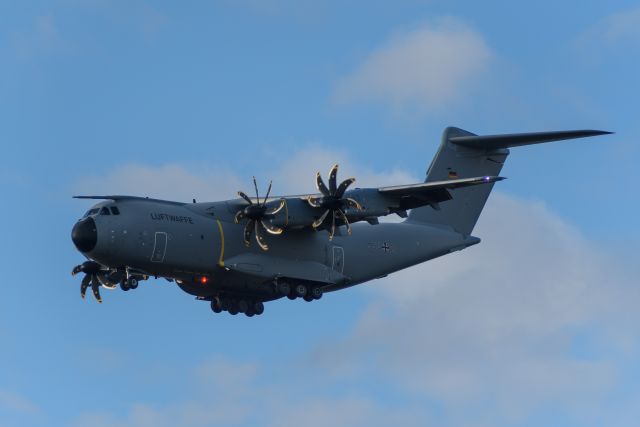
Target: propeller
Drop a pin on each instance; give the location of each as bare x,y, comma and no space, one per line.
94,276
258,216
333,201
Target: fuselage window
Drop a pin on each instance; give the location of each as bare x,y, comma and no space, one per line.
115,210
105,211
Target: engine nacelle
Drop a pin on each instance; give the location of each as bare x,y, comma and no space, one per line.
298,213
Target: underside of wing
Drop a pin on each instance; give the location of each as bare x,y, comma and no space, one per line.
430,193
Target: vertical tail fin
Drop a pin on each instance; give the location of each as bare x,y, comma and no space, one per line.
463,154
454,161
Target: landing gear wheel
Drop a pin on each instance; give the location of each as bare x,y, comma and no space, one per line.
308,298
258,308
233,308
132,282
316,292
300,291
124,285
292,296
225,304
243,306
283,289
215,305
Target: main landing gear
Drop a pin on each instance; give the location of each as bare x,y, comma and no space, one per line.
308,292
237,305
234,305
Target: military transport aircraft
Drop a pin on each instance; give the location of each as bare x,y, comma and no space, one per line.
238,254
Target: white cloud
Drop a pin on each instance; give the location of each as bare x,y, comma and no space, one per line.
534,317
297,173
10,401
42,38
234,393
622,26
501,323
431,67
347,411
222,395
294,175
616,32
173,182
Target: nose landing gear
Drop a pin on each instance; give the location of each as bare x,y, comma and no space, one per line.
131,280
130,283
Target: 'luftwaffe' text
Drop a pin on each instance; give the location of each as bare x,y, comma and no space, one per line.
172,218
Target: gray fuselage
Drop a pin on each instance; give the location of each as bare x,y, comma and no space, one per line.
200,247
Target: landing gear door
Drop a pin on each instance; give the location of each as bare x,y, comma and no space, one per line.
337,259
159,247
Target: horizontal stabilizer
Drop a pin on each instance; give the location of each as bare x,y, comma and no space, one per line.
494,142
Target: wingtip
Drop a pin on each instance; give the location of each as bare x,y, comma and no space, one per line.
601,132
489,178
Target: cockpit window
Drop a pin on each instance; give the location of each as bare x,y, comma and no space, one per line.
91,212
115,210
105,211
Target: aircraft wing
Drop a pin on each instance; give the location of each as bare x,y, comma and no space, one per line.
425,193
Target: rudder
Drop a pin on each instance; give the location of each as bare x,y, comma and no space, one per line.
453,161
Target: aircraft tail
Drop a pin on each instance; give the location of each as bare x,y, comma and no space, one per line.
463,154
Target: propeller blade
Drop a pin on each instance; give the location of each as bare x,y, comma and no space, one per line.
259,217
283,202
320,185
248,229
320,220
271,229
353,203
239,216
332,179
77,269
255,185
343,187
333,225
346,221
260,239
244,196
313,202
268,191
95,287
84,285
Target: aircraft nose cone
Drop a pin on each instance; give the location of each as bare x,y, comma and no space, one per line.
85,235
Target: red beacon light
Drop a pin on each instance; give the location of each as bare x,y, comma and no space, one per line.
204,280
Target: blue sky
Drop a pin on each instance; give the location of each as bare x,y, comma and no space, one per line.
534,326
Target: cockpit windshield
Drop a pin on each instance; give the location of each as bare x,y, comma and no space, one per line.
91,212
105,210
